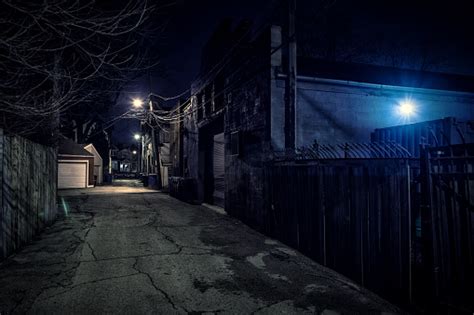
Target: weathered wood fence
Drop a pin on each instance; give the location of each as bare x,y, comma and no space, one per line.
353,216
27,191
403,228
447,209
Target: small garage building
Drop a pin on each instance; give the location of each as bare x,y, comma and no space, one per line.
75,166
98,164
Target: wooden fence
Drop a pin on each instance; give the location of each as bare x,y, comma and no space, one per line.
28,174
403,228
353,216
448,226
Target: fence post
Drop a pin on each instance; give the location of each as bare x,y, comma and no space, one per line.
410,236
2,214
428,227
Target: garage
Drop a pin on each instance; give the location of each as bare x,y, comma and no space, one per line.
75,166
218,169
98,163
72,175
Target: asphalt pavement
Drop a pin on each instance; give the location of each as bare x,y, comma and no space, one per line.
129,250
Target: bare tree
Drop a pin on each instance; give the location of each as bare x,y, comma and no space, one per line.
56,54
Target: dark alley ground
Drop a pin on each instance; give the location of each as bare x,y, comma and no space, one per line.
125,249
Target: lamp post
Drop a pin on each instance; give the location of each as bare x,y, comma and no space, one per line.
146,166
137,104
138,138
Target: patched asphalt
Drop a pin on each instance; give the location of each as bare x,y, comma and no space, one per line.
130,250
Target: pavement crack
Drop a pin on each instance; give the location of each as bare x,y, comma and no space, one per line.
264,307
171,240
92,250
178,252
70,288
200,312
87,232
20,300
152,282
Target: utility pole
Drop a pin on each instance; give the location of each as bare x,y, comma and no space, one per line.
155,148
290,91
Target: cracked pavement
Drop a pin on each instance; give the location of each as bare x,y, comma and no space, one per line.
136,251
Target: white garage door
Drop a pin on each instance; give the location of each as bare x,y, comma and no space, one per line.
72,175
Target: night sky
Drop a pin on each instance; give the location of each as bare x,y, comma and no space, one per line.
377,32
187,27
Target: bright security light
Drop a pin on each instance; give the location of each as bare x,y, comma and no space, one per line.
134,151
136,136
137,103
406,109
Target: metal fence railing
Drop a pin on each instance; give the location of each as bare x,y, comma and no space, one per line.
448,222
371,150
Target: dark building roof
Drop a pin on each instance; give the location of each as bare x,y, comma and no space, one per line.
366,73
69,147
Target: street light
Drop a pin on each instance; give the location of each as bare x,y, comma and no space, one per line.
139,154
137,103
406,108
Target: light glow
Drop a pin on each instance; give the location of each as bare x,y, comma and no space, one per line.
134,151
137,103
65,207
406,109
136,136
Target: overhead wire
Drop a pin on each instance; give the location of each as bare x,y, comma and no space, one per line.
220,66
169,116
231,87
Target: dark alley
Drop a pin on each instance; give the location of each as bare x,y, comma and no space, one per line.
236,157
145,252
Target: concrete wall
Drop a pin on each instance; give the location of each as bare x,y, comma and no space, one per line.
332,112
28,173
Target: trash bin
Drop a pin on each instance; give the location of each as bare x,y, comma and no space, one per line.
153,181
108,178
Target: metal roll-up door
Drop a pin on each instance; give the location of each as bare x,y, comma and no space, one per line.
219,170
72,175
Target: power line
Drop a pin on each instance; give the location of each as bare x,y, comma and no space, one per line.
167,118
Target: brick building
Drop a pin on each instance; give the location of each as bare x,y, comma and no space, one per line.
236,119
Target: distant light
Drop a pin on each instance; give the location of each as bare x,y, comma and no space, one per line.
136,136
137,103
406,109
65,207
134,151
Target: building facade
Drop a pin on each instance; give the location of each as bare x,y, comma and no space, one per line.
155,148
236,120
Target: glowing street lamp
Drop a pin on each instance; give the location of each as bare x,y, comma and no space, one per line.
136,136
134,152
137,103
406,109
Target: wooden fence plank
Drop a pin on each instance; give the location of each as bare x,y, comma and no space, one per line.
351,217
27,191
